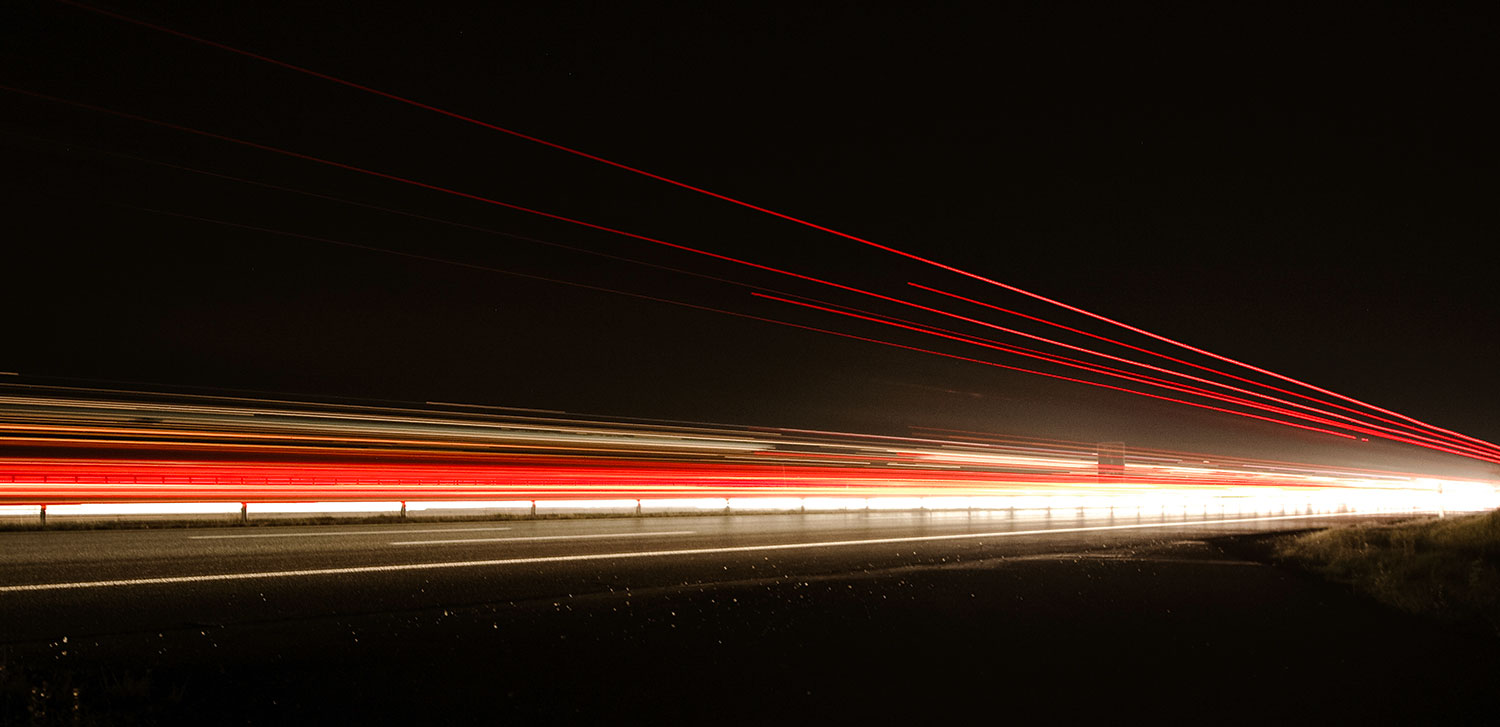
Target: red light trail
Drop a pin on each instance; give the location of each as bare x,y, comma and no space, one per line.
1422,435
636,236
866,316
67,450
790,218
1454,440
1153,381
1116,373
857,314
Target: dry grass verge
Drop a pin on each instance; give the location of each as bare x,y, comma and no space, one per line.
1447,568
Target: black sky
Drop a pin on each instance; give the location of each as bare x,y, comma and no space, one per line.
1311,191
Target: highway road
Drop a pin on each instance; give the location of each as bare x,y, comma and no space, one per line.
57,582
794,619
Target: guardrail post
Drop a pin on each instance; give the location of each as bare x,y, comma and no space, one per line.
403,509
533,508
638,507
244,513
44,516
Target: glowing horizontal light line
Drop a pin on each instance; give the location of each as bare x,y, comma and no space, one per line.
343,411
355,570
356,532
484,431
545,537
506,408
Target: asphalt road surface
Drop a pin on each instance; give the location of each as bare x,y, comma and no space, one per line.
812,618
111,581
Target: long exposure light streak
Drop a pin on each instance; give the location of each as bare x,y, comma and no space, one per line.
764,210
366,459
410,215
77,448
347,417
431,187
1155,454
1455,440
1117,373
681,271
825,306
591,227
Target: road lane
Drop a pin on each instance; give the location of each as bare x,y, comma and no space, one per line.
56,584
745,620
627,554
541,538
43,556
343,533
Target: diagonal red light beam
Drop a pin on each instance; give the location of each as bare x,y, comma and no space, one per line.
668,301
1407,437
1414,430
1152,381
507,205
757,208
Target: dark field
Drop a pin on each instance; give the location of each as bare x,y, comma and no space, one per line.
1177,632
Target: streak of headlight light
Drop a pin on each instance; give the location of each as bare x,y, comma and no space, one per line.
412,505
1057,504
1455,495
994,458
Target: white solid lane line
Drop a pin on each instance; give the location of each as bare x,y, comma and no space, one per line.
167,580
545,537
355,532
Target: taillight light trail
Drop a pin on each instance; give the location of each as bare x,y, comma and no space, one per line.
643,238
1153,381
1429,428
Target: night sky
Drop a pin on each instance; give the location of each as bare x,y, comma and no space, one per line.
1313,192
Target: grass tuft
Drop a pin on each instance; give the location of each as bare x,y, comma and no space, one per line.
1447,568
